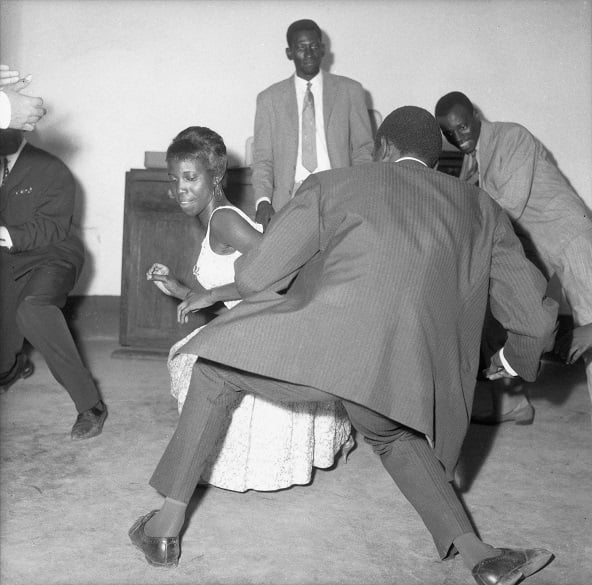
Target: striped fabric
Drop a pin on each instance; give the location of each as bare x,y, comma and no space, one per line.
392,266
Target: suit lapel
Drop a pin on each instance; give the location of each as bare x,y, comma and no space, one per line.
290,107
288,122
329,98
485,146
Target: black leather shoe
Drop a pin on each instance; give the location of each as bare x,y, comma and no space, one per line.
90,422
160,551
511,567
23,368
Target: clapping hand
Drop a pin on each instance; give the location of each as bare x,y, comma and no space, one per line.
8,76
25,110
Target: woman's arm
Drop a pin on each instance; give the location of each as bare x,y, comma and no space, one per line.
229,231
166,281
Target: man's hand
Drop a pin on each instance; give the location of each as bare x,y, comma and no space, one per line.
25,110
496,369
197,298
264,213
574,344
8,77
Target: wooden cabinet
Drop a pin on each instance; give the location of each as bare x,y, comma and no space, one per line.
156,230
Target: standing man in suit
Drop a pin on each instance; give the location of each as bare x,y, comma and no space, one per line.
384,312
40,261
310,122
553,223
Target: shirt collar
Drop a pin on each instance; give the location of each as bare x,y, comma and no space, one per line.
315,82
12,158
411,158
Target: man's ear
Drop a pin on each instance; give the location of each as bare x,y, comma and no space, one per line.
289,53
387,149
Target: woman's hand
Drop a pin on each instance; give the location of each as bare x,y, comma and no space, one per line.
197,298
574,344
166,281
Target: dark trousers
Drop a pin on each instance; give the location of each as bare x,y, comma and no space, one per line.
31,308
215,389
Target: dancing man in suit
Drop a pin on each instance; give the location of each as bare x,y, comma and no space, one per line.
298,132
384,311
40,260
553,223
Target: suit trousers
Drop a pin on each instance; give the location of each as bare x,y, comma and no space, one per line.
574,269
216,389
31,309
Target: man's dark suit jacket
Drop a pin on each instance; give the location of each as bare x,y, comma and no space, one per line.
36,205
393,264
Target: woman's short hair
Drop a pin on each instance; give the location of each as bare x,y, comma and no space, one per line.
199,142
414,131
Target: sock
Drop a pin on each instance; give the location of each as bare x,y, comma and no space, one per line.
168,521
473,550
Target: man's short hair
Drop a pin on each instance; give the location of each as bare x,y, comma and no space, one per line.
300,25
414,131
448,101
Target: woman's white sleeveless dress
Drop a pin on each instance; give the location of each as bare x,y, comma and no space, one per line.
267,446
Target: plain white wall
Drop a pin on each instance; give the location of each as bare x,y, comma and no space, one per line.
124,76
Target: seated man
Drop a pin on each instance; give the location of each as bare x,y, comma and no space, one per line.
40,260
384,311
553,223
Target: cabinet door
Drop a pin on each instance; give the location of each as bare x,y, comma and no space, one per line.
155,230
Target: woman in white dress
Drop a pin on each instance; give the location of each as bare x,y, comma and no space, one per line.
267,446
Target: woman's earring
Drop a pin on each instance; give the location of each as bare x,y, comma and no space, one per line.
218,193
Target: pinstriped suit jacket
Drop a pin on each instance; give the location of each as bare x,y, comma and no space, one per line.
392,264
275,146
518,172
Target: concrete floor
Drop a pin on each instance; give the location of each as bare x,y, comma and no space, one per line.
66,506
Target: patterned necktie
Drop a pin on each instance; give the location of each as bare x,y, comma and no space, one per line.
471,171
309,133
5,170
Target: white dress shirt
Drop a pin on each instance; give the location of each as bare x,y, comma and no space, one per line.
5,110
323,162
